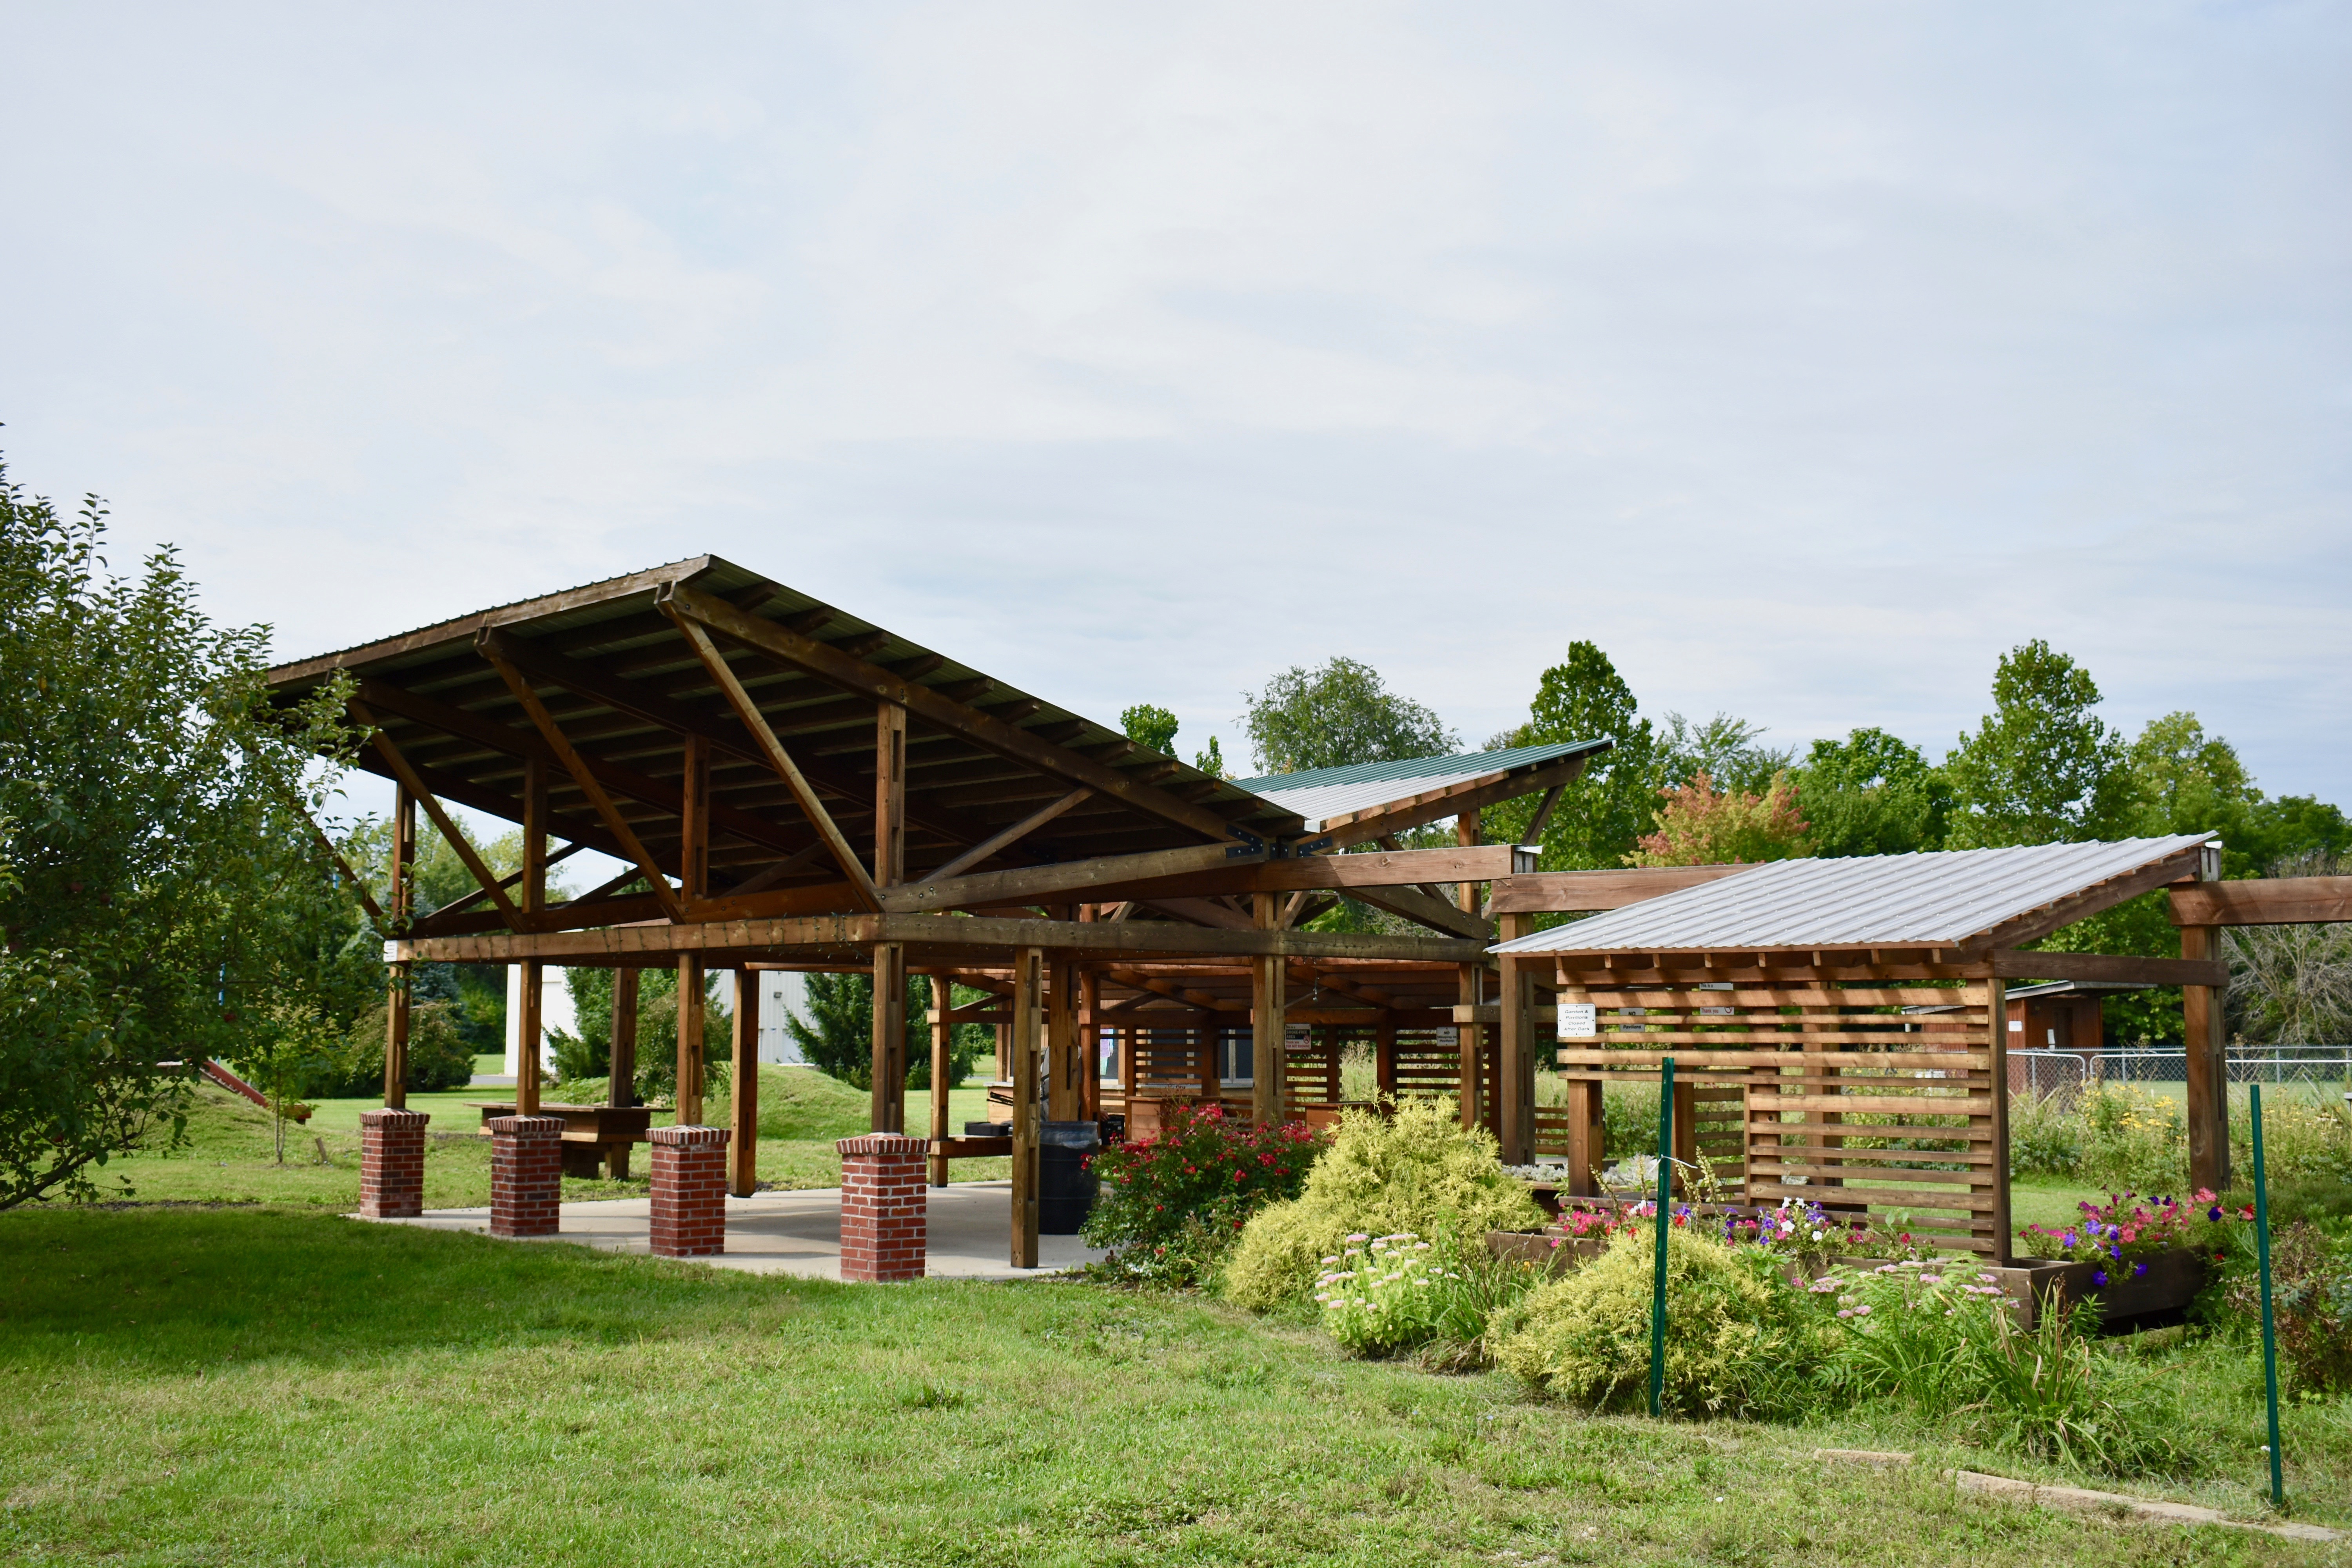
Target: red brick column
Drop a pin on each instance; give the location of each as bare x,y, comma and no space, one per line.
885,1213
526,1174
689,1191
392,1164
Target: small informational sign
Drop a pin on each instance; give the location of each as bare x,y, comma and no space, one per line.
1580,1021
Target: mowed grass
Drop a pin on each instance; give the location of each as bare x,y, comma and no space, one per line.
230,1156
270,1386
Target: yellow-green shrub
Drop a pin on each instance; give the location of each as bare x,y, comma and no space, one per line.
1740,1341
1417,1171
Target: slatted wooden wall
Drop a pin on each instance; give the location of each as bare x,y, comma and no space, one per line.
1848,1100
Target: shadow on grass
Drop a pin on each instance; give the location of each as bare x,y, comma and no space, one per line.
169,1290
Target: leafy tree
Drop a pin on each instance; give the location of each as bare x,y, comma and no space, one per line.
1211,760
2040,768
1611,803
1724,748
1148,726
1340,714
1702,826
439,1055
589,1053
161,899
2185,781
1873,793
837,1037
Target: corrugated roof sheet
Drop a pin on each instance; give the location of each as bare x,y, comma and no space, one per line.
1938,899
1323,792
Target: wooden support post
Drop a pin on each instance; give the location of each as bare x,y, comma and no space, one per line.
942,1036
1004,1052
1686,1135
534,835
694,821
1127,1072
1090,1073
621,1078
400,909
1384,1057
1028,979
1471,986
1588,1142
529,1030
2004,1240
1212,1080
889,794
1268,1061
889,1101
1062,1099
1516,1067
2205,1043
690,1041
743,1089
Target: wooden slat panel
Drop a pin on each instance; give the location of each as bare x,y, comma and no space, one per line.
1971,1203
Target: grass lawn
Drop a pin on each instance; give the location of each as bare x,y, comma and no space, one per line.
268,1385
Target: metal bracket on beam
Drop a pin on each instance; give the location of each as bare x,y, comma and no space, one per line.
1251,844
1525,857
1301,849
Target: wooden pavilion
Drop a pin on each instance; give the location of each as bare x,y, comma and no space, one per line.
789,785
1839,1027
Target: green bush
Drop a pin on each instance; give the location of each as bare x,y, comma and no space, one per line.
1418,1171
439,1055
2311,1302
1382,1294
1740,1341
2045,1139
1170,1204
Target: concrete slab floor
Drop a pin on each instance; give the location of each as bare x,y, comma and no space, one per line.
800,1232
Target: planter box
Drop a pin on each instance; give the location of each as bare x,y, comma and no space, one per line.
1536,1247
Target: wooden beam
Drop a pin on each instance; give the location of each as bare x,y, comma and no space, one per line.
1532,835
1578,892
534,835
524,745
849,932
2014,964
1420,908
2264,902
459,906
861,885
1516,1075
853,674
1995,1188
1035,884
694,821
423,798
615,823
530,1030
1019,831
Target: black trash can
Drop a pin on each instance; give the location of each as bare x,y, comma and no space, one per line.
1065,1186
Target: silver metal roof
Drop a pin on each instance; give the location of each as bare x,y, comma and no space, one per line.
1938,899
1323,792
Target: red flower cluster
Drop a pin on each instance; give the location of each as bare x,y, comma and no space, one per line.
1204,1163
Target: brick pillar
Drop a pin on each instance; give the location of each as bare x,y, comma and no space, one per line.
392,1164
884,1214
526,1174
689,1191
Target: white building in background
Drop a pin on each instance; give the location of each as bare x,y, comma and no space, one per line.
555,1012
780,992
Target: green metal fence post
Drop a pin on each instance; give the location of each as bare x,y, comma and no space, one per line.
2270,1325
1666,1195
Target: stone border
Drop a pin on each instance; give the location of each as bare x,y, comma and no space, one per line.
2075,1499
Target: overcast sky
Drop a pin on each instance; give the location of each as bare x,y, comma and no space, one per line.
1803,356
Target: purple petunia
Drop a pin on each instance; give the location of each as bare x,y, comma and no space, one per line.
2098,1276
2139,1269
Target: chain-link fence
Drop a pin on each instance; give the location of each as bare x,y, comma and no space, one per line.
2069,1072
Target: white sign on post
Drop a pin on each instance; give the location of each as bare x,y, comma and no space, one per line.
1580,1021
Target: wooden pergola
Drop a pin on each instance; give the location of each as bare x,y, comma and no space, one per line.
788,785
1838,1026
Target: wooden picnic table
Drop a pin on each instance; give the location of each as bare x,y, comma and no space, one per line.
594,1136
